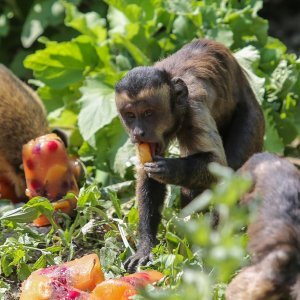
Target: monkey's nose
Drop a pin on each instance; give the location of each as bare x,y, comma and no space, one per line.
137,137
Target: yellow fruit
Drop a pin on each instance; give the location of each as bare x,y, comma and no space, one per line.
144,153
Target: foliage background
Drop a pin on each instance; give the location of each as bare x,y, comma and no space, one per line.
76,52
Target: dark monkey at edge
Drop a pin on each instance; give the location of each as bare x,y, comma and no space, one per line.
200,96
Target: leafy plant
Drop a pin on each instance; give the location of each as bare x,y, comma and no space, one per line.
77,51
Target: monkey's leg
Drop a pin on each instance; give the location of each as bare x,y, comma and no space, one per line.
150,196
244,136
187,195
270,278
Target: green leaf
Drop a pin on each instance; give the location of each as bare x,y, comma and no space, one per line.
89,23
61,64
4,25
273,141
42,14
222,34
90,194
184,29
116,203
132,11
21,215
124,157
98,107
18,256
248,58
40,263
109,139
23,271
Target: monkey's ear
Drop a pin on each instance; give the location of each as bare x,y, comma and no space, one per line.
180,89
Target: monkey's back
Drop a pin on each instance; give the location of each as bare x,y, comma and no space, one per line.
22,116
209,69
218,87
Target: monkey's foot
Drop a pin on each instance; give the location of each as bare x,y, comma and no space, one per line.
140,258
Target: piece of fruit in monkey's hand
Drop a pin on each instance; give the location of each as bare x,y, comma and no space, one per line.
144,152
49,173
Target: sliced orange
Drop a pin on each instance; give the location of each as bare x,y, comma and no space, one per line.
144,152
141,279
114,289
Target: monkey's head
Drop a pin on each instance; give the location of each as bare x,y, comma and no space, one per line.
151,106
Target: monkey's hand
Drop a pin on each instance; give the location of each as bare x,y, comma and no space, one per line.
166,170
140,258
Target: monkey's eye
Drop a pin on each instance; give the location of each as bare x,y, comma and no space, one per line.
148,113
130,115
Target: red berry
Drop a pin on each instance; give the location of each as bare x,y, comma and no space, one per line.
73,295
52,146
30,164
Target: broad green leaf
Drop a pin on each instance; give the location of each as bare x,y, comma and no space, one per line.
21,215
248,58
89,23
221,34
124,158
107,142
98,107
61,64
184,29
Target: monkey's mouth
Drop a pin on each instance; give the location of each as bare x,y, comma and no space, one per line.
156,149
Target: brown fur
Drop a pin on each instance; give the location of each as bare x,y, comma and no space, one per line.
274,237
22,117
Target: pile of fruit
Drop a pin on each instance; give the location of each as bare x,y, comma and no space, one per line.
83,279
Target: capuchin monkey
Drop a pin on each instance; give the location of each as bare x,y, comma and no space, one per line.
22,118
274,236
201,97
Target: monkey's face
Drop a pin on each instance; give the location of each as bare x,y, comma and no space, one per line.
148,117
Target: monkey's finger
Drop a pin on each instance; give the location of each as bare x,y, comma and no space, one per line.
157,158
154,170
157,164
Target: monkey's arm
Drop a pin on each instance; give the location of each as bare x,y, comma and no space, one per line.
190,172
150,196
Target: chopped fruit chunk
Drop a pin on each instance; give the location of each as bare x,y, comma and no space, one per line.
114,289
83,273
144,152
141,279
67,281
42,287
